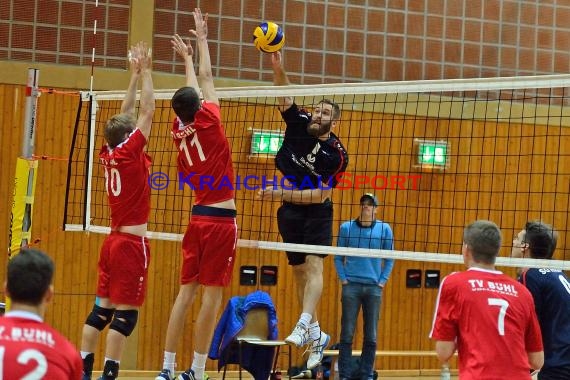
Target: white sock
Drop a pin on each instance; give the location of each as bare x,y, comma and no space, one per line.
169,362
305,320
198,365
315,331
110,360
84,354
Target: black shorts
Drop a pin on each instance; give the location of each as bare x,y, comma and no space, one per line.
557,373
305,224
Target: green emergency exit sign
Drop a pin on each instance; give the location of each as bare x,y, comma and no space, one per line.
433,153
266,142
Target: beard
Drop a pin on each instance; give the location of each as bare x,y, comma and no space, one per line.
318,129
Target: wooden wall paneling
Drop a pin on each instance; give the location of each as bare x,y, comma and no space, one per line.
403,313
329,307
46,222
561,199
152,317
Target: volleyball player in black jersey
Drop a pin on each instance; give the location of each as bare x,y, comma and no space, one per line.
550,289
311,158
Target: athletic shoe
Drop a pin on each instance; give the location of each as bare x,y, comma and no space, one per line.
299,337
102,377
189,375
306,374
88,366
316,350
165,375
110,370
186,375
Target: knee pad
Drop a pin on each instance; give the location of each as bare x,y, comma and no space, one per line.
125,321
99,317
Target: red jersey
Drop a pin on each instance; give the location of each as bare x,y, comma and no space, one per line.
126,180
204,156
493,321
31,349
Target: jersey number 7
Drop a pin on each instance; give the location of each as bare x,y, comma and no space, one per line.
504,305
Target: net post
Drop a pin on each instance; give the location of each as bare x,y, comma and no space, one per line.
20,229
28,143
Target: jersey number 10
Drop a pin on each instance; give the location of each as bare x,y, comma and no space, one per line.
112,181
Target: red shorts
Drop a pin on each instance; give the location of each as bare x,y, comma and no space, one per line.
209,250
123,269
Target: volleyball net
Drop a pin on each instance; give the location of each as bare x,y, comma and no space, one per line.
437,154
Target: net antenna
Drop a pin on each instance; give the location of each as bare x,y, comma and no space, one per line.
96,14
498,141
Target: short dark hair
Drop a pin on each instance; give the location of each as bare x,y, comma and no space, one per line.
541,239
117,126
30,274
335,108
484,239
185,103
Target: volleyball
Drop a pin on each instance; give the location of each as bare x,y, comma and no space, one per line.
268,37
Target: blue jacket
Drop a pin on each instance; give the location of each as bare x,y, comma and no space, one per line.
257,360
365,270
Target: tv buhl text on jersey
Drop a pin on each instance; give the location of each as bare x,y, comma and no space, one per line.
344,180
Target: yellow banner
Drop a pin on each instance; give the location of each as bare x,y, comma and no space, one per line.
22,203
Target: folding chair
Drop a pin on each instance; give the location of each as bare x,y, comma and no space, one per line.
255,332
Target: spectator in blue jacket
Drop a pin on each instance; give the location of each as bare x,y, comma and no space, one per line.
363,279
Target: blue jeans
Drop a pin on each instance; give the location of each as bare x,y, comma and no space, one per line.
355,295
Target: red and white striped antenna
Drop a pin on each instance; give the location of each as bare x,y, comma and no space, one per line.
93,40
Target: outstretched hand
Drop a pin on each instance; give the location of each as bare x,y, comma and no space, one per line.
144,56
140,57
201,22
180,47
134,57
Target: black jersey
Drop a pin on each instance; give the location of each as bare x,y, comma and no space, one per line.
306,161
550,289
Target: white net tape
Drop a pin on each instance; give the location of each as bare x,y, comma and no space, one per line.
446,258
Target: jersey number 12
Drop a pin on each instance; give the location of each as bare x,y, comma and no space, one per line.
24,358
